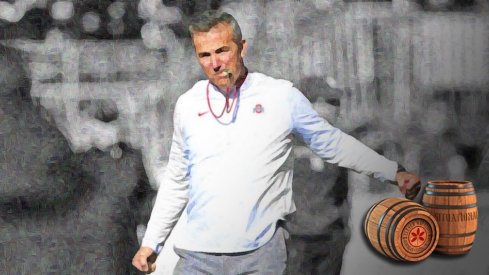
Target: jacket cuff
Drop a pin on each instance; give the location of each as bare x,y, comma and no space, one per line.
157,247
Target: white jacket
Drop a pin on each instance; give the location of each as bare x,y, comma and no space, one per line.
235,173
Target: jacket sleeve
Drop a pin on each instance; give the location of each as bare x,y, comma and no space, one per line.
333,145
173,191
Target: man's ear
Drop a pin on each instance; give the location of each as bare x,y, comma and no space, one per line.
244,49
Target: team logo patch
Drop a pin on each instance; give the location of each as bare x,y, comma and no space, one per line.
258,109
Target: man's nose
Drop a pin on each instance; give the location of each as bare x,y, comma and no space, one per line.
216,65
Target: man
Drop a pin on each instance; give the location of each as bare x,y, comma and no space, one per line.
230,162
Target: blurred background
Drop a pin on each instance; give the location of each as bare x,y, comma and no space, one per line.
88,89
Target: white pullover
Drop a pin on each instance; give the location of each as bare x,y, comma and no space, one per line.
234,174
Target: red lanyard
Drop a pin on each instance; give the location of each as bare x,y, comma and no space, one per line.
227,108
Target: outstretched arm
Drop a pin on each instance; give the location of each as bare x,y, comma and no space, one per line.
335,146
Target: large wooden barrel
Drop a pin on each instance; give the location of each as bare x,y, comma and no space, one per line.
453,204
401,229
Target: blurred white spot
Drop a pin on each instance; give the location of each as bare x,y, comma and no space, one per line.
316,163
43,70
62,10
323,4
331,82
91,22
116,27
116,152
10,12
147,8
85,133
117,10
301,151
140,230
435,119
151,35
54,36
156,37
56,41
249,17
155,11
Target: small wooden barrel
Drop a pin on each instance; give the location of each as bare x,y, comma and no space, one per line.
453,204
401,229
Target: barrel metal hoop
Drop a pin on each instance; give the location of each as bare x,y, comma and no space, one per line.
457,235
438,186
393,233
388,229
367,218
454,246
441,206
379,225
449,193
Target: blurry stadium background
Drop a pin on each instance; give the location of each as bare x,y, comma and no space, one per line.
408,78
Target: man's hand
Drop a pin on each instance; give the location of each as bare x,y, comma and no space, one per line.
144,260
408,183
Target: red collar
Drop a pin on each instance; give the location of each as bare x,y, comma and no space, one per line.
242,79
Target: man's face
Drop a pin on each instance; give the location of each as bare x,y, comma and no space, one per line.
216,52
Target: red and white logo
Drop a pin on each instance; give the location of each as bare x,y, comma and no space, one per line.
258,109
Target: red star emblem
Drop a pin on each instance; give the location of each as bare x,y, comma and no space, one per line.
417,236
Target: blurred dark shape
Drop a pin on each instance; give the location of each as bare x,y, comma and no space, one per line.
361,131
141,199
318,254
314,87
13,73
483,171
39,19
191,7
101,109
352,1
319,228
448,5
60,212
471,152
33,25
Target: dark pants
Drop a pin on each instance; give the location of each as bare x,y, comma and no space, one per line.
313,255
271,259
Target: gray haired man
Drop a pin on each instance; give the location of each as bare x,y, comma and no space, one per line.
231,162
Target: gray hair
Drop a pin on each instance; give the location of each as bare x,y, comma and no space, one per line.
210,18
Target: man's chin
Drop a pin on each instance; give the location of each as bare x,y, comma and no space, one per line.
221,83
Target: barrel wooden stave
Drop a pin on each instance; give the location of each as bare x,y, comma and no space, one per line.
453,204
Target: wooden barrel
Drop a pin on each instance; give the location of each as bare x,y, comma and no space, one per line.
453,204
401,229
